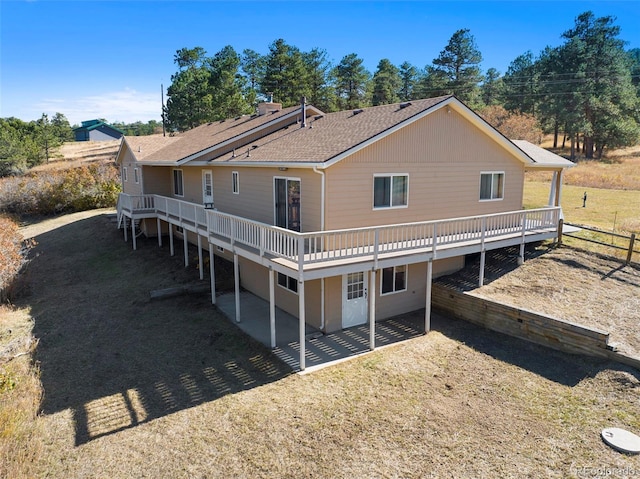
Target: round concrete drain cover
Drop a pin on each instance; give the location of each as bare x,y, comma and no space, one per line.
621,440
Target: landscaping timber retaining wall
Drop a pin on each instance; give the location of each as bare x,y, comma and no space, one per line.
521,323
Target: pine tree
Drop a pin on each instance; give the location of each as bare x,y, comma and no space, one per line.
387,83
350,79
459,65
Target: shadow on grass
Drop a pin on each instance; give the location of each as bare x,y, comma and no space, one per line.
112,356
497,263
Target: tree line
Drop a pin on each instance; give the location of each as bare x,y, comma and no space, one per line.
24,145
586,89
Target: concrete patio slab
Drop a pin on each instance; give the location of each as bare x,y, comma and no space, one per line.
321,350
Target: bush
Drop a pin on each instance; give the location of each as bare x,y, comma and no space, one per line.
13,255
61,191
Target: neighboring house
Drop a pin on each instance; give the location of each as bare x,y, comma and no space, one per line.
339,218
96,130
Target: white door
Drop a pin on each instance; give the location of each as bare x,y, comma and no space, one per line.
207,186
354,299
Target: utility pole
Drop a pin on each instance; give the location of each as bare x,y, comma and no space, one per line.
162,96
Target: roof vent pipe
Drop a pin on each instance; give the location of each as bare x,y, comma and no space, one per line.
303,101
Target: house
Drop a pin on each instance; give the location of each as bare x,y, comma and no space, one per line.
96,130
338,218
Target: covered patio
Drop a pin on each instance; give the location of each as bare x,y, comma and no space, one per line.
320,350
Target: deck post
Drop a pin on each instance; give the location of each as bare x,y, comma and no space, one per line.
159,232
236,281
171,248
560,227
372,309
427,304
632,240
559,187
212,273
200,262
481,279
124,227
133,234
301,324
552,191
185,242
272,308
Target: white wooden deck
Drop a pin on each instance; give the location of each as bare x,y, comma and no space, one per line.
327,253
322,254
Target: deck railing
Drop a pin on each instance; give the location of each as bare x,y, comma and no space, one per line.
323,246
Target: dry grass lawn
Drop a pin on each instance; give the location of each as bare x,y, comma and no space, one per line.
77,153
140,388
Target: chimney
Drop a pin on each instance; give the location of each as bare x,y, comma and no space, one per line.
268,106
303,101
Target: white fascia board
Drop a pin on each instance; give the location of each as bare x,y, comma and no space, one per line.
120,150
550,166
245,134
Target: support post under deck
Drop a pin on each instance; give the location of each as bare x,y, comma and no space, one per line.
236,280
372,310
272,308
427,304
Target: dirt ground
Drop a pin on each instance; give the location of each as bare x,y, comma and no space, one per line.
135,387
578,286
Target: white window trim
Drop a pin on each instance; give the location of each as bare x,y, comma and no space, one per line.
136,175
173,182
235,182
204,173
391,175
406,280
504,178
285,287
125,177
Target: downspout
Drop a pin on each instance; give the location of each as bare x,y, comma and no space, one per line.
322,197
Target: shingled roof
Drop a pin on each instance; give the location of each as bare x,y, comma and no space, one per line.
208,136
279,137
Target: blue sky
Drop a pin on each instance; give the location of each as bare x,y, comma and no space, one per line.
107,59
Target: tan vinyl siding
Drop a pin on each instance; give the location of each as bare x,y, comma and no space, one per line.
389,305
414,297
157,180
255,278
256,198
130,186
333,303
443,154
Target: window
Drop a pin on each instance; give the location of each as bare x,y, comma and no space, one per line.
220,248
287,203
390,191
235,183
288,282
491,186
136,178
124,174
178,184
393,280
